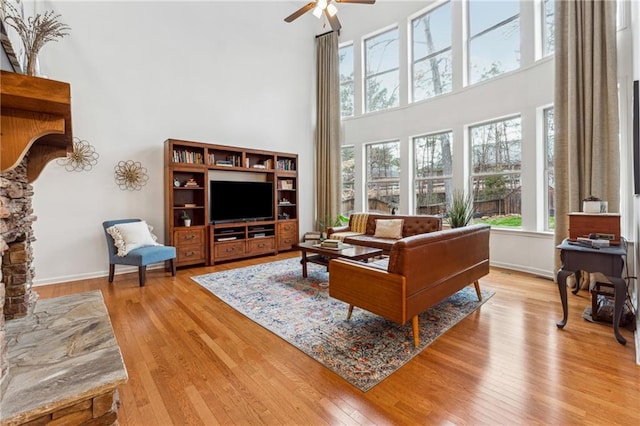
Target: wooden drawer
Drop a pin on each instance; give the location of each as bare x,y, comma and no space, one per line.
287,235
229,250
188,236
261,245
288,229
192,253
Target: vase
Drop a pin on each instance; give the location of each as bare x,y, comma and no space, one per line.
31,64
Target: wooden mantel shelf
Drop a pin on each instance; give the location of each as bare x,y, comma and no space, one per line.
36,119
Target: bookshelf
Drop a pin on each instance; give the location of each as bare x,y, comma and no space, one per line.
188,166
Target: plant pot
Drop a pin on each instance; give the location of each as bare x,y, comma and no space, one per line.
187,222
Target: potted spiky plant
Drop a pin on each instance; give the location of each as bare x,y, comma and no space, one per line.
461,210
186,218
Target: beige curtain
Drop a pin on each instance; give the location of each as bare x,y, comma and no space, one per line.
327,129
586,109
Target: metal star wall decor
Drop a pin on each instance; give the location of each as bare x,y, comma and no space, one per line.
82,158
130,175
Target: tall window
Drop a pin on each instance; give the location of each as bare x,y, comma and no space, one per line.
494,38
345,55
496,149
383,176
382,75
548,169
348,180
433,170
548,27
431,54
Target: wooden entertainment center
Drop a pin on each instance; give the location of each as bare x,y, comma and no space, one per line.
189,168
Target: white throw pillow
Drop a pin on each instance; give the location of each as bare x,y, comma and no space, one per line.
389,228
132,235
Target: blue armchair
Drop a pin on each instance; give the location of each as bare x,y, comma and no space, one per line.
140,257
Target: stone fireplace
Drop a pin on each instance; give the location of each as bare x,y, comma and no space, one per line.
16,235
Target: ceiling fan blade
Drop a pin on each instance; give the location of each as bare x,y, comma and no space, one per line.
333,21
300,12
357,1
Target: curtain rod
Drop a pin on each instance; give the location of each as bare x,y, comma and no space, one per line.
328,32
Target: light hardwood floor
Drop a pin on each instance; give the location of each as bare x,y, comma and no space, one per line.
193,360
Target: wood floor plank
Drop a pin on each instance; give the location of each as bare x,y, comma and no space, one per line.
192,359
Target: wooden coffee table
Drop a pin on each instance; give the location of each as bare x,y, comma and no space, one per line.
322,256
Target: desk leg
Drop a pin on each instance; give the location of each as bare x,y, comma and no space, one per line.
304,264
620,294
562,289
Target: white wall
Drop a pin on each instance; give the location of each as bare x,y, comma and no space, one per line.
142,72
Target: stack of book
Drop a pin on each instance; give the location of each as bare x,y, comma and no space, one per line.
331,244
312,236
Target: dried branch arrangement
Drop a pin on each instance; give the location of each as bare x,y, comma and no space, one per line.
35,31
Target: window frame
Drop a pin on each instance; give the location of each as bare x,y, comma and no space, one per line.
342,182
366,78
367,180
543,29
547,170
471,38
473,175
410,45
351,82
443,177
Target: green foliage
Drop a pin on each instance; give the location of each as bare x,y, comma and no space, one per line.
328,222
461,210
513,221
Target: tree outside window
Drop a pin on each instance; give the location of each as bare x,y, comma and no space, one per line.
433,171
348,180
382,75
496,149
383,176
548,27
431,54
345,56
549,169
494,38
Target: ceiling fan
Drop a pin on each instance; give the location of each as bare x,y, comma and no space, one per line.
326,7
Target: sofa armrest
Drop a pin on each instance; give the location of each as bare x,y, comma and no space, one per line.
333,229
370,288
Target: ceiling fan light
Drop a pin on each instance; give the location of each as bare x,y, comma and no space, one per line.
317,12
322,4
331,9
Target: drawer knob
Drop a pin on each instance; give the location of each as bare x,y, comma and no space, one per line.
189,237
190,253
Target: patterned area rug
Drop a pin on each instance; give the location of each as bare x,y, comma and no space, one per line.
364,350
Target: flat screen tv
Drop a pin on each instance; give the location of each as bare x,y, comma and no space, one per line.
233,201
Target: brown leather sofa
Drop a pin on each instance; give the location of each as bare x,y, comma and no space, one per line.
412,225
421,271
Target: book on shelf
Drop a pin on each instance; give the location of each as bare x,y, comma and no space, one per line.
286,164
190,205
186,156
286,184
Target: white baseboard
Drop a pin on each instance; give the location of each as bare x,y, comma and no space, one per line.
521,268
120,269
